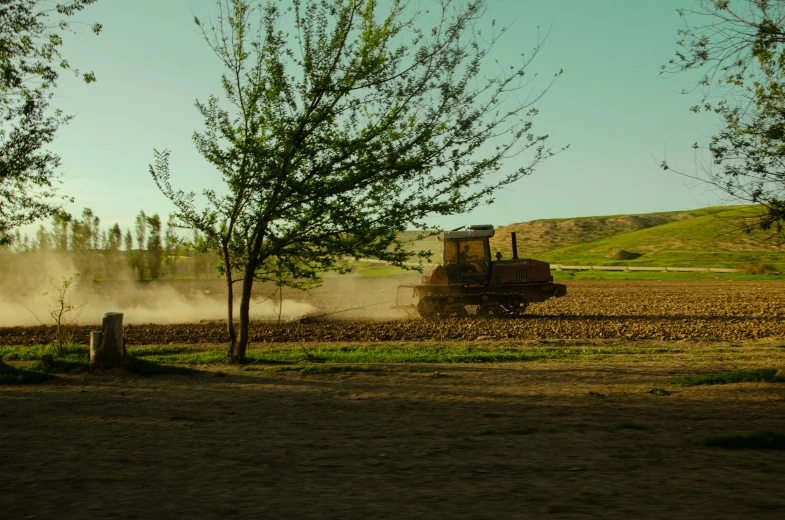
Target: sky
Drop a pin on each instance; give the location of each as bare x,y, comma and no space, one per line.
618,115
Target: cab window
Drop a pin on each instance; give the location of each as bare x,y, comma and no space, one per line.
450,252
472,251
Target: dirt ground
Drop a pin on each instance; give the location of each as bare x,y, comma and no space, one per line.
518,440
624,309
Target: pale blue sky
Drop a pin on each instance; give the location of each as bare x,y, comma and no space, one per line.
618,115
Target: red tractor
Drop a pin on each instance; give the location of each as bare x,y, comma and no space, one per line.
469,282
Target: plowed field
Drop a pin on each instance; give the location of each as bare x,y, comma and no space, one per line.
632,310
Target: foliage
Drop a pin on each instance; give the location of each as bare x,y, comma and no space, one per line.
348,130
63,312
31,37
740,48
154,246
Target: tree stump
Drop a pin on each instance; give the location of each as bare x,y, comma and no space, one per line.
111,348
95,342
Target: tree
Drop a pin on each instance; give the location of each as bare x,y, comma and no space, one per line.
128,242
138,257
740,48
355,126
30,65
60,224
154,246
128,246
114,239
43,239
83,231
171,246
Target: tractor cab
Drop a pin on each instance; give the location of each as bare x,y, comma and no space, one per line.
467,255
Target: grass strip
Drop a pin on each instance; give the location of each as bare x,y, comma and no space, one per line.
754,441
146,361
387,354
734,376
35,352
24,377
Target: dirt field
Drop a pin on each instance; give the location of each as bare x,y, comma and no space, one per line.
632,310
518,440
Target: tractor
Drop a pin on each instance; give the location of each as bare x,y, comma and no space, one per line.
468,282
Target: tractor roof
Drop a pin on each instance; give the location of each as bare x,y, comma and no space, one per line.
477,231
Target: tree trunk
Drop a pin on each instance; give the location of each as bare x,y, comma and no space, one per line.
230,317
95,342
112,347
245,308
229,303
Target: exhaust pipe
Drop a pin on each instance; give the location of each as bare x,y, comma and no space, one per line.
514,247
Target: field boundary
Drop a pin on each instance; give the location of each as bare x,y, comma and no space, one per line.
626,268
560,267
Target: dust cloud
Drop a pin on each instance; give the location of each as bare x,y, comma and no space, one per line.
29,285
24,278
349,297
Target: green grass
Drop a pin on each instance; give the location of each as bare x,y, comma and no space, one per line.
372,270
59,365
371,354
707,237
24,377
705,240
72,359
567,276
755,441
734,376
34,352
75,359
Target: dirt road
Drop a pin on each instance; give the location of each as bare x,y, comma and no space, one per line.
538,440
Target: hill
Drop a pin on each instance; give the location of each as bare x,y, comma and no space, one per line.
708,237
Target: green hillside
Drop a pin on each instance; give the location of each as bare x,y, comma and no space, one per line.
709,237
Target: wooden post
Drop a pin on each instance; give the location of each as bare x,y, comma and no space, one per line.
95,343
111,348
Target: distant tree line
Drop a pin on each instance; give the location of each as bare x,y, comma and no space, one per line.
148,251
